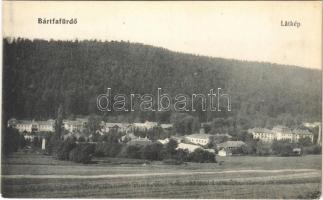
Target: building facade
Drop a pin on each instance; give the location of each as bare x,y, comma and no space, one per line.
28,126
199,138
78,124
280,133
143,126
118,127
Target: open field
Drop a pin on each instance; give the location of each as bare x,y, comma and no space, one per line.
32,175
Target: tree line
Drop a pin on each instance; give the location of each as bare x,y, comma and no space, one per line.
40,75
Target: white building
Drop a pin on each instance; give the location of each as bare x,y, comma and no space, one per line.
24,126
28,126
199,138
144,126
299,133
74,125
140,141
118,127
279,133
164,141
46,126
166,126
189,147
231,145
226,148
224,152
262,134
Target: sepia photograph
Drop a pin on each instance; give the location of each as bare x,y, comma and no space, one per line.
161,99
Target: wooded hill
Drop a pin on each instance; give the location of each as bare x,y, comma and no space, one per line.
39,75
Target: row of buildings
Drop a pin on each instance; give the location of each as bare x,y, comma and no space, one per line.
281,133
79,124
29,126
189,142
201,140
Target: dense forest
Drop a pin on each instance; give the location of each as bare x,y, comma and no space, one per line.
40,75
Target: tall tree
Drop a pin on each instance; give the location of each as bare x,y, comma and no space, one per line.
59,121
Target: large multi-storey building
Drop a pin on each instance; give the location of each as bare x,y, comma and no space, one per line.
75,125
142,126
46,126
118,127
29,126
198,138
280,133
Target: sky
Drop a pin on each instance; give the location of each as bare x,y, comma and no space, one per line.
237,30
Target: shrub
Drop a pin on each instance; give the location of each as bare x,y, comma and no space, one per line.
201,156
81,139
99,149
114,150
313,149
182,155
152,151
12,140
54,144
245,149
107,149
282,148
82,153
305,142
263,149
133,151
65,148
171,147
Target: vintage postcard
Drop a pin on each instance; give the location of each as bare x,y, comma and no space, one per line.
160,99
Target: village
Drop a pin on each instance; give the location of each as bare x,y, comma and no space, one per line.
161,100
220,144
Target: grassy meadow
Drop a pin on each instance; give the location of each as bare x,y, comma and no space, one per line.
36,175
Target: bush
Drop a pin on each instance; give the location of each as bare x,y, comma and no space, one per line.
12,140
133,151
243,150
201,156
152,152
65,148
36,142
81,139
263,149
305,142
54,143
82,153
313,149
251,147
107,149
170,147
182,155
283,148
112,137
99,149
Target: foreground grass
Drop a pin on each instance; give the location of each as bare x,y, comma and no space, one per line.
177,189
183,181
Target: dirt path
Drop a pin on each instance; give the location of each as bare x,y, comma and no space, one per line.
299,173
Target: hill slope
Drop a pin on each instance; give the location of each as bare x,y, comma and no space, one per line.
39,75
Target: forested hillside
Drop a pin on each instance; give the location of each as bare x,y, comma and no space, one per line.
39,75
